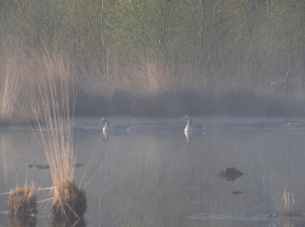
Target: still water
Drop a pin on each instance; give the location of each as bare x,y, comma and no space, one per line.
155,175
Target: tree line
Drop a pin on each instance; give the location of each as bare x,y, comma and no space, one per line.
218,41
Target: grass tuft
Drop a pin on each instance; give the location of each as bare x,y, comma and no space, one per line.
22,201
69,200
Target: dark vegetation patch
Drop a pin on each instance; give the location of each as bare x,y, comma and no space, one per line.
22,220
44,166
68,222
229,174
69,201
193,103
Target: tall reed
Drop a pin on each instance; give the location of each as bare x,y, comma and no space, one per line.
47,98
49,94
9,84
288,204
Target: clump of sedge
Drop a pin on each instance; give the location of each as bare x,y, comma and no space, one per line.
69,201
22,201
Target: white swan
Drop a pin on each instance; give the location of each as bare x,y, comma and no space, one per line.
192,128
115,128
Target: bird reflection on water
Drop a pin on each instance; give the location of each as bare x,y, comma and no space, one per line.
191,131
189,137
116,130
104,137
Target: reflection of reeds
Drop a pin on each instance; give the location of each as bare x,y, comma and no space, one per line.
288,204
22,221
68,223
6,153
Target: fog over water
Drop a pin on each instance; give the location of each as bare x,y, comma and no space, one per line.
153,175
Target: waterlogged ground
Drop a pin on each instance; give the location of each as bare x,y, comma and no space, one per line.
153,175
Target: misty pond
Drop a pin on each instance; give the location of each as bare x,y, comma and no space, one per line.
155,175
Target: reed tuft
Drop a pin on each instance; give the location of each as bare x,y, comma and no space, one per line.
68,201
49,99
22,201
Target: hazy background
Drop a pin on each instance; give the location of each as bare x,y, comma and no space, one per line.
161,57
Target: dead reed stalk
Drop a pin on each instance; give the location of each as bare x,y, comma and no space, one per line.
9,86
288,204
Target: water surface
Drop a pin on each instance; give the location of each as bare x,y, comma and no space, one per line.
153,175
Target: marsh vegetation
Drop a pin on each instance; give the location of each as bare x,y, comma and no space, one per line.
61,59
22,201
46,98
150,177
162,58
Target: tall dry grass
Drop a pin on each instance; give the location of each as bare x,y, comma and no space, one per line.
50,101
134,86
289,209
47,98
143,85
10,77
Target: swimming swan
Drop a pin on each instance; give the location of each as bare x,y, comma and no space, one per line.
116,128
192,128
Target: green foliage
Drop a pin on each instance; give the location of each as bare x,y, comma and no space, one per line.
256,41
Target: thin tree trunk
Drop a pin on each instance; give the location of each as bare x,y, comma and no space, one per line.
288,70
303,78
288,76
102,23
240,53
202,68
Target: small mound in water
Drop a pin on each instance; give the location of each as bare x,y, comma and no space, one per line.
22,201
69,201
237,192
42,166
229,174
22,221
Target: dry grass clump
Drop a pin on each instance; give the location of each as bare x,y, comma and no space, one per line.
69,200
22,221
22,201
142,85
